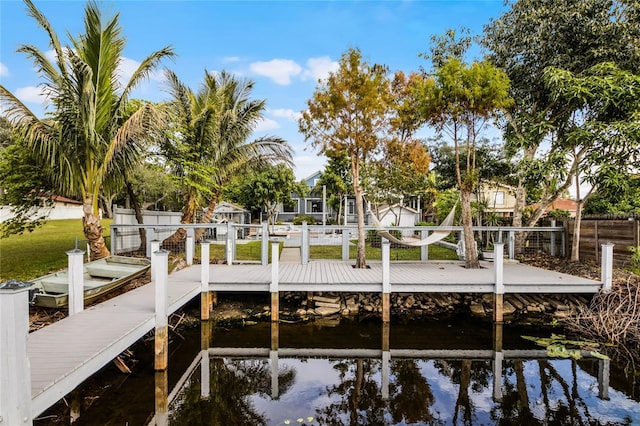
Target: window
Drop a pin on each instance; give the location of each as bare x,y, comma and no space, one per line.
351,207
293,208
498,198
314,206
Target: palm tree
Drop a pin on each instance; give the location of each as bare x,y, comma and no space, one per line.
209,143
85,140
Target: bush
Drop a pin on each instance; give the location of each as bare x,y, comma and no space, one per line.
304,218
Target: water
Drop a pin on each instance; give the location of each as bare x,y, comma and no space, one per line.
351,373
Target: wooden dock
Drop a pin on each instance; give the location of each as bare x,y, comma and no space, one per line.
64,354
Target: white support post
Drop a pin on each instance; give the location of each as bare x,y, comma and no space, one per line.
75,276
229,247
275,276
151,238
204,281
275,266
15,371
155,246
498,270
607,267
112,241
386,256
512,245
424,250
305,244
345,244
160,261
189,246
265,244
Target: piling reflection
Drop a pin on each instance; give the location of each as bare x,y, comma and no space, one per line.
392,385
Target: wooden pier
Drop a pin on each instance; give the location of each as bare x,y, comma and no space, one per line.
56,359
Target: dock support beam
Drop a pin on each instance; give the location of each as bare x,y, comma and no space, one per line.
162,398
498,358
76,281
205,300
607,267
273,287
15,386
498,294
386,282
160,261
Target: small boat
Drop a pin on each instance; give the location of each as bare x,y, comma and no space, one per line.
100,277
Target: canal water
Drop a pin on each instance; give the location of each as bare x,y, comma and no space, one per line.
349,372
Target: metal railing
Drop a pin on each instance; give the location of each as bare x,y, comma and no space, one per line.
245,243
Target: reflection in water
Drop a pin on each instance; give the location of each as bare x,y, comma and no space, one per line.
332,385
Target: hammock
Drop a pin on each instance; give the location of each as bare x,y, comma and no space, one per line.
434,237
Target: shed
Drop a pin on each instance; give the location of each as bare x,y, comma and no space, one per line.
397,215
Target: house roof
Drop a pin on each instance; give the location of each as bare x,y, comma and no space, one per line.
226,207
383,210
61,199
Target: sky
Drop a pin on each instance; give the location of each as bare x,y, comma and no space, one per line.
283,46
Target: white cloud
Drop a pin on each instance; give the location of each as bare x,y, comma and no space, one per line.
306,165
231,59
266,124
319,68
279,70
289,114
31,94
4,71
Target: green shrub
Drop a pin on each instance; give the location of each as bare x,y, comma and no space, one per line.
635,259
304,218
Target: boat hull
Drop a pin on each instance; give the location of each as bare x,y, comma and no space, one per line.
100,277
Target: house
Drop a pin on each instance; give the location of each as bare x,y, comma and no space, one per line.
397,215
562,204
499,198
229,212
62,208
313,205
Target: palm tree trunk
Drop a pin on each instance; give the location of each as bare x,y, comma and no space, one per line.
208,214
139,218
177,240
93,232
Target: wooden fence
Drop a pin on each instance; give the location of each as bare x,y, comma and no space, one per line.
623,233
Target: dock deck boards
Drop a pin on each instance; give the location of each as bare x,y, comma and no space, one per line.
64,354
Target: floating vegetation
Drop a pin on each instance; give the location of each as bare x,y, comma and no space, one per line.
299,421
558,346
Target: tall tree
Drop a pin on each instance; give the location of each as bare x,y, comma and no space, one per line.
349,112
209,142
459,100
85,139
604,132
568,34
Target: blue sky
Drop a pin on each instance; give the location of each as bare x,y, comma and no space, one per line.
284,46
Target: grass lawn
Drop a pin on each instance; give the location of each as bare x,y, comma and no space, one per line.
33,254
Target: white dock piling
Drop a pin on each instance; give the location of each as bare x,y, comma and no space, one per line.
498,293
160,261
76,281
273,286
607,267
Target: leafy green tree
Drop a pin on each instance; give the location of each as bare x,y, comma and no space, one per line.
336,188
268,188
618,199
572,35
209,141
604,136
348,113
85,141
459,100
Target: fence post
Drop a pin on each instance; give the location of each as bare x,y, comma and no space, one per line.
304,245
607,267
189,249
229,246
273,286
75,278
424,250
512,244
112,243
204,281
553,238
386,281
15,386
345,244
498,272
160,261
264,257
